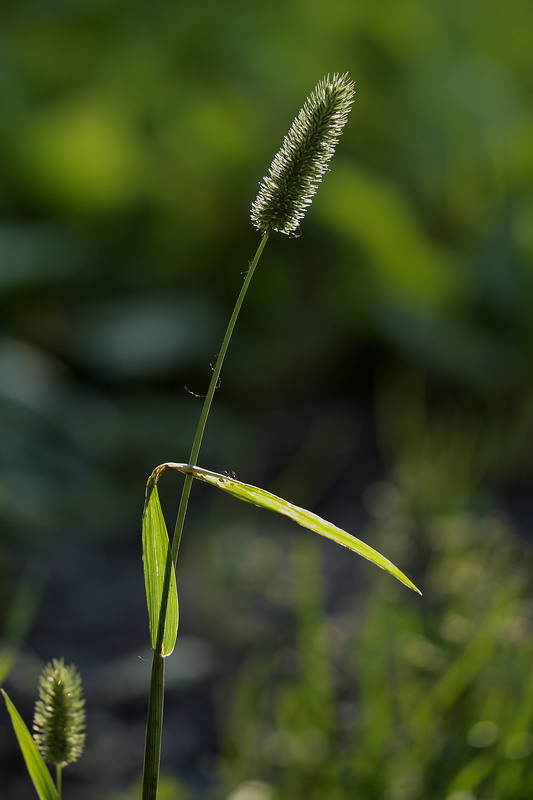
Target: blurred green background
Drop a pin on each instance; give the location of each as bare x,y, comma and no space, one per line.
380,374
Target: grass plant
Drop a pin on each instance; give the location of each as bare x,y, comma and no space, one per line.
283,198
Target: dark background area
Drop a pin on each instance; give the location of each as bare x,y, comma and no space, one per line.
380,374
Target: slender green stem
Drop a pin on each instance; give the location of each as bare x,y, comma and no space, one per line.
58,779
198,436
154,724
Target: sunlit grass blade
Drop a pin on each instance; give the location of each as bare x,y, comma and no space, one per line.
36,767
264,499
156,551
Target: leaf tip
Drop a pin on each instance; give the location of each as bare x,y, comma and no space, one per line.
412,586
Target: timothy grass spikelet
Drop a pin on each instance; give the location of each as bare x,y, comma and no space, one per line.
298,167
59,719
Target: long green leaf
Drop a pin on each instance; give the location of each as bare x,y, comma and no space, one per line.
36,767
259,497
156,551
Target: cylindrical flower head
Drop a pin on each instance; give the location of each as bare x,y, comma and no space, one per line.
59,719
297,169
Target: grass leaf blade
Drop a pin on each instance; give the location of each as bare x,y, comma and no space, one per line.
264,499
156,550
35,765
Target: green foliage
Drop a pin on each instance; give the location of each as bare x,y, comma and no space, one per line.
416,703
300,164
264,499
156,562
59,720
35,765
126,137
401,701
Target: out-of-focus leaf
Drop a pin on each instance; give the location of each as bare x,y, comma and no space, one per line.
405,262
36,767
19,616
88,149
259,497
8,657
156,550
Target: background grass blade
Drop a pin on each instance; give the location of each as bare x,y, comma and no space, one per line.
37,769
18,618
156,550
259,497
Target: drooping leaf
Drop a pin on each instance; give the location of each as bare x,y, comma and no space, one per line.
264,499
35,765
156,551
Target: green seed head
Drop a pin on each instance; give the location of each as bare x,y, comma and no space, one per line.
297,169
59,719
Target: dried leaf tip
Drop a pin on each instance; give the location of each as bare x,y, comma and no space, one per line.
299,165
59,719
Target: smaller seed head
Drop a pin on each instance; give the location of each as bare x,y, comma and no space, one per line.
59,719
298,167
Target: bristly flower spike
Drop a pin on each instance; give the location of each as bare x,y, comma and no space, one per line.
59,719
298,167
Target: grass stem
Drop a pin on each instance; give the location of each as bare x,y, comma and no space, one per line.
154,724
59,775
197,442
